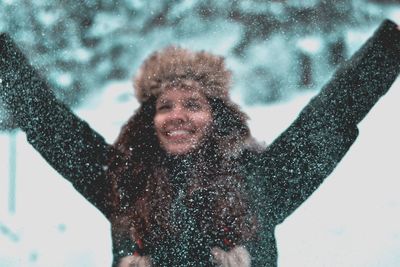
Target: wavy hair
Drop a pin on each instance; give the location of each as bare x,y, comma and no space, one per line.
143,191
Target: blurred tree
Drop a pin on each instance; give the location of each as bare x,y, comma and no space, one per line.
81,45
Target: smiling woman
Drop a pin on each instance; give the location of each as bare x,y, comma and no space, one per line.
182,120
185,184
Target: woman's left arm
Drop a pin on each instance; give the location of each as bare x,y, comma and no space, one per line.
297,162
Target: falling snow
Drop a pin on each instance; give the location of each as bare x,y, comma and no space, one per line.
88,53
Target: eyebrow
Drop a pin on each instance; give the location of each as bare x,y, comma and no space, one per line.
193,98
162,100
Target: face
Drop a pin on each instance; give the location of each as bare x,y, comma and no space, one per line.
182,120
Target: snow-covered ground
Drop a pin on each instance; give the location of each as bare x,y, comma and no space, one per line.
353,219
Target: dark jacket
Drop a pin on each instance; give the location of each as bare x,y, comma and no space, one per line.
280,178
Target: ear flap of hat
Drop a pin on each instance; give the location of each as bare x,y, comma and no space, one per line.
229,119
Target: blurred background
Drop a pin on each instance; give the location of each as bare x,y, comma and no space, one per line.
280,52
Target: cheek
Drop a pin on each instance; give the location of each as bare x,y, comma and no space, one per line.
207,119
158,122
158,126
205,123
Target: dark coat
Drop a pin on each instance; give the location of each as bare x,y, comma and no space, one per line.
280,178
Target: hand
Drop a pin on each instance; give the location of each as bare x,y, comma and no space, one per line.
135,261
236,257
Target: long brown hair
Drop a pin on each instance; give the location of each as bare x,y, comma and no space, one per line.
143,191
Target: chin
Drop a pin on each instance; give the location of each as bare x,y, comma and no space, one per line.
179,151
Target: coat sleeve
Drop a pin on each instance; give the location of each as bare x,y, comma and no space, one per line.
297,162
67,143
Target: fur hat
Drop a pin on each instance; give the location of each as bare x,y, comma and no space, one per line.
181,67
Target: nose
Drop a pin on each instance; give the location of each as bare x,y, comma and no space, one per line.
178,114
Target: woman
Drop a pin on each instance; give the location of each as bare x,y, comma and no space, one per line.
185,184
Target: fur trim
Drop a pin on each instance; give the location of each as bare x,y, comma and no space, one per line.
236,257
180,67
135,261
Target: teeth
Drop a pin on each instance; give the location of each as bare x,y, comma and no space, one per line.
178,132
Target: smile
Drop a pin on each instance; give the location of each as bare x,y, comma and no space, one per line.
178,133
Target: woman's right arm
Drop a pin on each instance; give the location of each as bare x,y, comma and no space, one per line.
67,143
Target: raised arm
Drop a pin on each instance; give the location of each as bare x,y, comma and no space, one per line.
68,144
307,152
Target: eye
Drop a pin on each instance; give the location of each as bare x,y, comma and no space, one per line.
163,107
193,105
